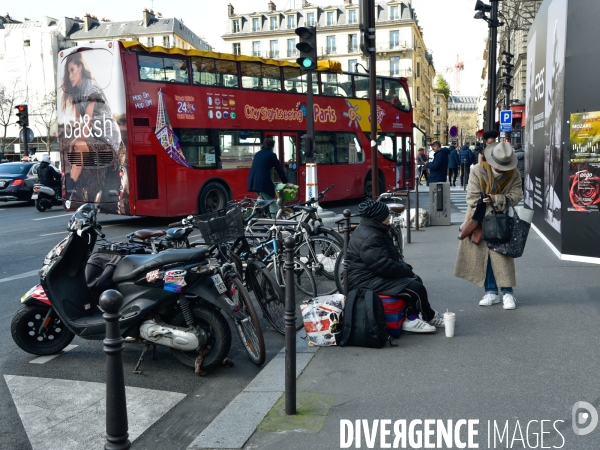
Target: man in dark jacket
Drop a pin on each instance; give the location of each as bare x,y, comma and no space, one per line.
374,263
47,174
453,162
259,178
438,168
466,159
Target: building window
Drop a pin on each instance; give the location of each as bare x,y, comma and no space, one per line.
418,70
394,13
352,65
437,127
274,49
394,39
330,19
150,42
291,48
438,111
166,43
330,45
237,50
256,48
255,24
437,100
310,19
291,22
236,26
352,43
395,65
274,23
418,94
352,16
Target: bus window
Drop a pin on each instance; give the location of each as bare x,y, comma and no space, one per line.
238,148
260,76
396,96
199,147
386,144
338,148
294,80
338,85
158,68
213,72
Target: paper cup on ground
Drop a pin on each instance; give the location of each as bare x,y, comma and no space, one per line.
449,321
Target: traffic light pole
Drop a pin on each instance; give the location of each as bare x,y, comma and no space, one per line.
373,96
491,93
310,116
25,143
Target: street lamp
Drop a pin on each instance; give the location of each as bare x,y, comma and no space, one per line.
493,24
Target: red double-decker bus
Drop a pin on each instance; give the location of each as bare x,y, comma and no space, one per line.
170,132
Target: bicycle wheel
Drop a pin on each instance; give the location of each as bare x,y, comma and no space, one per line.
320,255
249,328
339,274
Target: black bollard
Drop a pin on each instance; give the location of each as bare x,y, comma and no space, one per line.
117,437
408,212
347,214
290,328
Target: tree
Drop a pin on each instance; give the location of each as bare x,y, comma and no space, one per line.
45,118
442,85
8,100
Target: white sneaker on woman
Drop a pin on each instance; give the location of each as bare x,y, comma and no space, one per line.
437,321
418,326
489,299
509,300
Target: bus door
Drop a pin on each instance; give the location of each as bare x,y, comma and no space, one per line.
405,171
286,144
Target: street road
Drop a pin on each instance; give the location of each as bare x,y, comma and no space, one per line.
26,236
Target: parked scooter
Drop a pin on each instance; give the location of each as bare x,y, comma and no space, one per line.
45,197
174,298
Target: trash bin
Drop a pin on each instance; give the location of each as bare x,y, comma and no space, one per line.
440,212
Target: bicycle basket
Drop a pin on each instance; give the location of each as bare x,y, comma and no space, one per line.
222,225
289,194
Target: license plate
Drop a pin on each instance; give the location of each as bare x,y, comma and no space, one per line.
219,283
34,197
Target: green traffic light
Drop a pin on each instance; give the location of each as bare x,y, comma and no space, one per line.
306,62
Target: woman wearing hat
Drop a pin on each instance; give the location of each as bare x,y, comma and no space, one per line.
375,263
498,179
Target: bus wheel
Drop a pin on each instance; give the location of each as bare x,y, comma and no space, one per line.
212,197
368,185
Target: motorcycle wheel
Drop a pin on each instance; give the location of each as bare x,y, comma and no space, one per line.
25,327
249,328
219,337
39,206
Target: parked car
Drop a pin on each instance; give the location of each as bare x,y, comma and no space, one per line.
17,180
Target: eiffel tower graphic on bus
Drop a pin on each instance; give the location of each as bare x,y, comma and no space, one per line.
165,134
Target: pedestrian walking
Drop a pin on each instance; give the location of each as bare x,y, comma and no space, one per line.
453,163
438,168
466,159
421,161
375,263
498,179
521,164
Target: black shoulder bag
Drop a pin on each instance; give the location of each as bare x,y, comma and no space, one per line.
497,226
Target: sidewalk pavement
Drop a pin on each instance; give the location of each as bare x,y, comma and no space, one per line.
516,368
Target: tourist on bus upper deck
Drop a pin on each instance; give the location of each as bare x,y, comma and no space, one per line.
259,178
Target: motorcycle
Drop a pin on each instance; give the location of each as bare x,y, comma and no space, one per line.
176,298
45,197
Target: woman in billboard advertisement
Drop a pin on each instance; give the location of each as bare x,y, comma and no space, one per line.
96,154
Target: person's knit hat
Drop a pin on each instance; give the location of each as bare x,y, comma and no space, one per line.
490,134
375,210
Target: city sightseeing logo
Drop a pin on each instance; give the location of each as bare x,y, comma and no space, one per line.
430,433
352,115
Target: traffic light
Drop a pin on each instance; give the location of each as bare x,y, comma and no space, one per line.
23,115
366,25
307,48
306,145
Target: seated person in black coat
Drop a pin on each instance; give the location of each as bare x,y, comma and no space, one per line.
374,263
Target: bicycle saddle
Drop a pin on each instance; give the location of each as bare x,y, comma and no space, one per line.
396,207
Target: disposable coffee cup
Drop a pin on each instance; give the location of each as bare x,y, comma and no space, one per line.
449,321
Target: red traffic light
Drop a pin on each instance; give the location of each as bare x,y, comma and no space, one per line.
21,108
23,115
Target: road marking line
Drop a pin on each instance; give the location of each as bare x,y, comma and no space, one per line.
45,359
52,234
53,217
21,275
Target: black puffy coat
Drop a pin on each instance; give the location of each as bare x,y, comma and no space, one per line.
47,174
373,261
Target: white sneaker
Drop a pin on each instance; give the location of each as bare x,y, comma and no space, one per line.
489,300
418,326
437,321
509,300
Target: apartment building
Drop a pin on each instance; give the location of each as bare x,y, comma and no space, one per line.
463,113
440,117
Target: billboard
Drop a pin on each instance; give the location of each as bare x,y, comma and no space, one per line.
92,130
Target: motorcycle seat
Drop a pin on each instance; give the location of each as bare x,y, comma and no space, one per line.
308,209
146,234
132,266
396,207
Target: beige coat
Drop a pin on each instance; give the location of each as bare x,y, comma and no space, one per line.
472,259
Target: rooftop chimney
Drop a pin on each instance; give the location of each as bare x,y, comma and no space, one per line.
347,2
272,7
230,10
88,21
148,16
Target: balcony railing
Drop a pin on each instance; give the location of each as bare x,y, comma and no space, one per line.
406,73
330,50
353,49
392,46
273,54
291,53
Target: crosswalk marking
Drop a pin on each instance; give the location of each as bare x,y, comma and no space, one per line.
45,359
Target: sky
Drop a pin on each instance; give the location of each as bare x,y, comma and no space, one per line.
448,25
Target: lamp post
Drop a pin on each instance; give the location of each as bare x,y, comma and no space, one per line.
493,24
